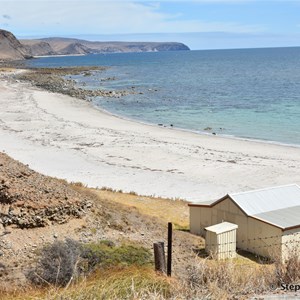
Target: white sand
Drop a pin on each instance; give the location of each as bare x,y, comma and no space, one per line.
67,138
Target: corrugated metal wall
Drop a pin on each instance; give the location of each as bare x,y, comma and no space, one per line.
263,239
227,244
200,217
222,245
211,243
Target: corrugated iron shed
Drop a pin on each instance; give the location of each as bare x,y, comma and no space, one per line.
266,200
220,240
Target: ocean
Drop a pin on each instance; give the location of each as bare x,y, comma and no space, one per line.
245,93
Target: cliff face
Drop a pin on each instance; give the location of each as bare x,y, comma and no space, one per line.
11,48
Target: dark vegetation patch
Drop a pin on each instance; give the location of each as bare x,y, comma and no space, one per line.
62,262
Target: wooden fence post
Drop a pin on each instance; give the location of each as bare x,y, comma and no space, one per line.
169,260
159,257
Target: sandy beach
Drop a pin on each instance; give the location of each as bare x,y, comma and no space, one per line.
68,138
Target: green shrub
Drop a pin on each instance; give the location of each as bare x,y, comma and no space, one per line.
105,255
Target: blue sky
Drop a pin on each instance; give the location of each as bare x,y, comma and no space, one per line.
201,24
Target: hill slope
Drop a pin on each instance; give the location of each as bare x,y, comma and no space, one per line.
39,48
64,46
29,199
36,210
11,48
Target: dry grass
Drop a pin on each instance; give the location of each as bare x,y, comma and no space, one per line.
115,284
223,279
175,211
166,210
289,272
208,279
7,69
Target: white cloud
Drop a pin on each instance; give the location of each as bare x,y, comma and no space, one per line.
46,17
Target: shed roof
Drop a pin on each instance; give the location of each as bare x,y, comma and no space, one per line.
269,199
222,227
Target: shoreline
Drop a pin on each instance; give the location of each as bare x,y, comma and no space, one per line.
69,138
225,136
57,55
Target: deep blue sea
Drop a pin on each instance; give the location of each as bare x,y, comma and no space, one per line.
248,93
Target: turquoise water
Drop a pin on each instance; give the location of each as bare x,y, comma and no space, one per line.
250,93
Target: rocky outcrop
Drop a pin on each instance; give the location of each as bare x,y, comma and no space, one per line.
11,48
29,199
53,80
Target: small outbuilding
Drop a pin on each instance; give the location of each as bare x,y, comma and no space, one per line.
220,240
268,219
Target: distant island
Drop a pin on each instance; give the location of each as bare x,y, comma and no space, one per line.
13,49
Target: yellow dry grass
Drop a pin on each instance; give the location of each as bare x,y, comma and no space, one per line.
7,69
175,211
123,283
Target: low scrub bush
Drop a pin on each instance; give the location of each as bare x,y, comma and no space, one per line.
64,261
58,263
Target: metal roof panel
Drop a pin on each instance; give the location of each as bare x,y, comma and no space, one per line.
283,218
266,200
